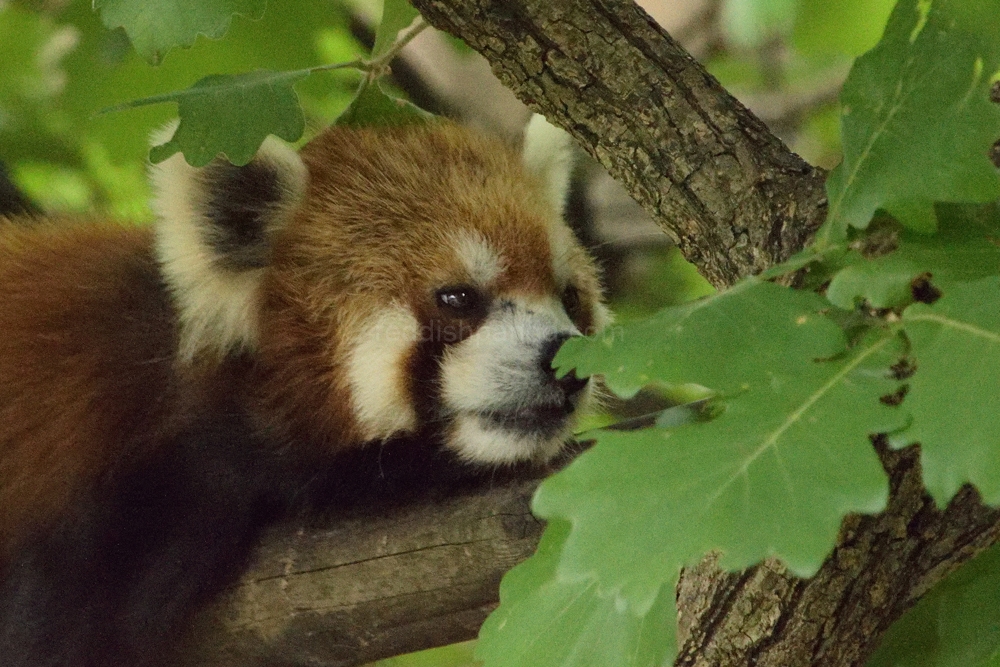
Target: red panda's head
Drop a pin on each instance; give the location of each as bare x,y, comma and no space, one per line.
388,282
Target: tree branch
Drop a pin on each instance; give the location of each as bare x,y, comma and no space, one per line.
737,201
711,174
367,584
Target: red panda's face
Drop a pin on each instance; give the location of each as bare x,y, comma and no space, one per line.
498,393
419,280
467,346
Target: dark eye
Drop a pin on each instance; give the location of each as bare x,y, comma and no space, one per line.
571,301
460,301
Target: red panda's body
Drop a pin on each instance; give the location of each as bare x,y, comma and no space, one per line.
87,336
164,393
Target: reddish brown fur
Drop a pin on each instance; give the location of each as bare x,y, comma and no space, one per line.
87,337
163,469
378,229
87,367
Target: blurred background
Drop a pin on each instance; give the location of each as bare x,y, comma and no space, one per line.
59,67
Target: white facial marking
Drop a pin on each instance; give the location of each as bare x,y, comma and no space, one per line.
499,363
482,442
482,262
376,372
218,307
498,387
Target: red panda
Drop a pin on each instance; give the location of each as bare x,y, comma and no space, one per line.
165,391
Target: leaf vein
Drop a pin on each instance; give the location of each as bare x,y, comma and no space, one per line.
956,324
795,416
877,134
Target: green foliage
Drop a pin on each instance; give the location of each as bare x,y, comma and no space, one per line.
373,106
917,118
396,15
231,115
453,655
882,283
227,114
763,461
955,393
87,68
155,27
788,454
706,341
24,76
964,249
802,378
957,624
663,278
784,51
847,26
551,619
799,380
751,22
818,27
250,106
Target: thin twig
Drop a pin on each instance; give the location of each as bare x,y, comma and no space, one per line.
379,66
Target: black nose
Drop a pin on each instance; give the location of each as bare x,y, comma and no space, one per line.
569,383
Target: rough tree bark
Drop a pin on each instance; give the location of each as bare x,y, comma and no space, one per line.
712,175
737,201
366,585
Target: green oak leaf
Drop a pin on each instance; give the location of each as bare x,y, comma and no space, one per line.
774,474
725,341
883,282
967,247
916,214
954,395
917,121
799,260
396,15
230,115
545,620
156,26
373,106
817,265
956,624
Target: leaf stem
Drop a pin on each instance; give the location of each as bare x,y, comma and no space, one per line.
375,68
379,66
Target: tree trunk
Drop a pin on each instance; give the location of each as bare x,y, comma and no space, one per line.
737,201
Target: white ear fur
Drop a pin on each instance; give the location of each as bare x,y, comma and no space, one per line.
217,305
548,153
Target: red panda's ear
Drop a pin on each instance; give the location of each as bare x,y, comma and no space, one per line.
214,230
548,154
